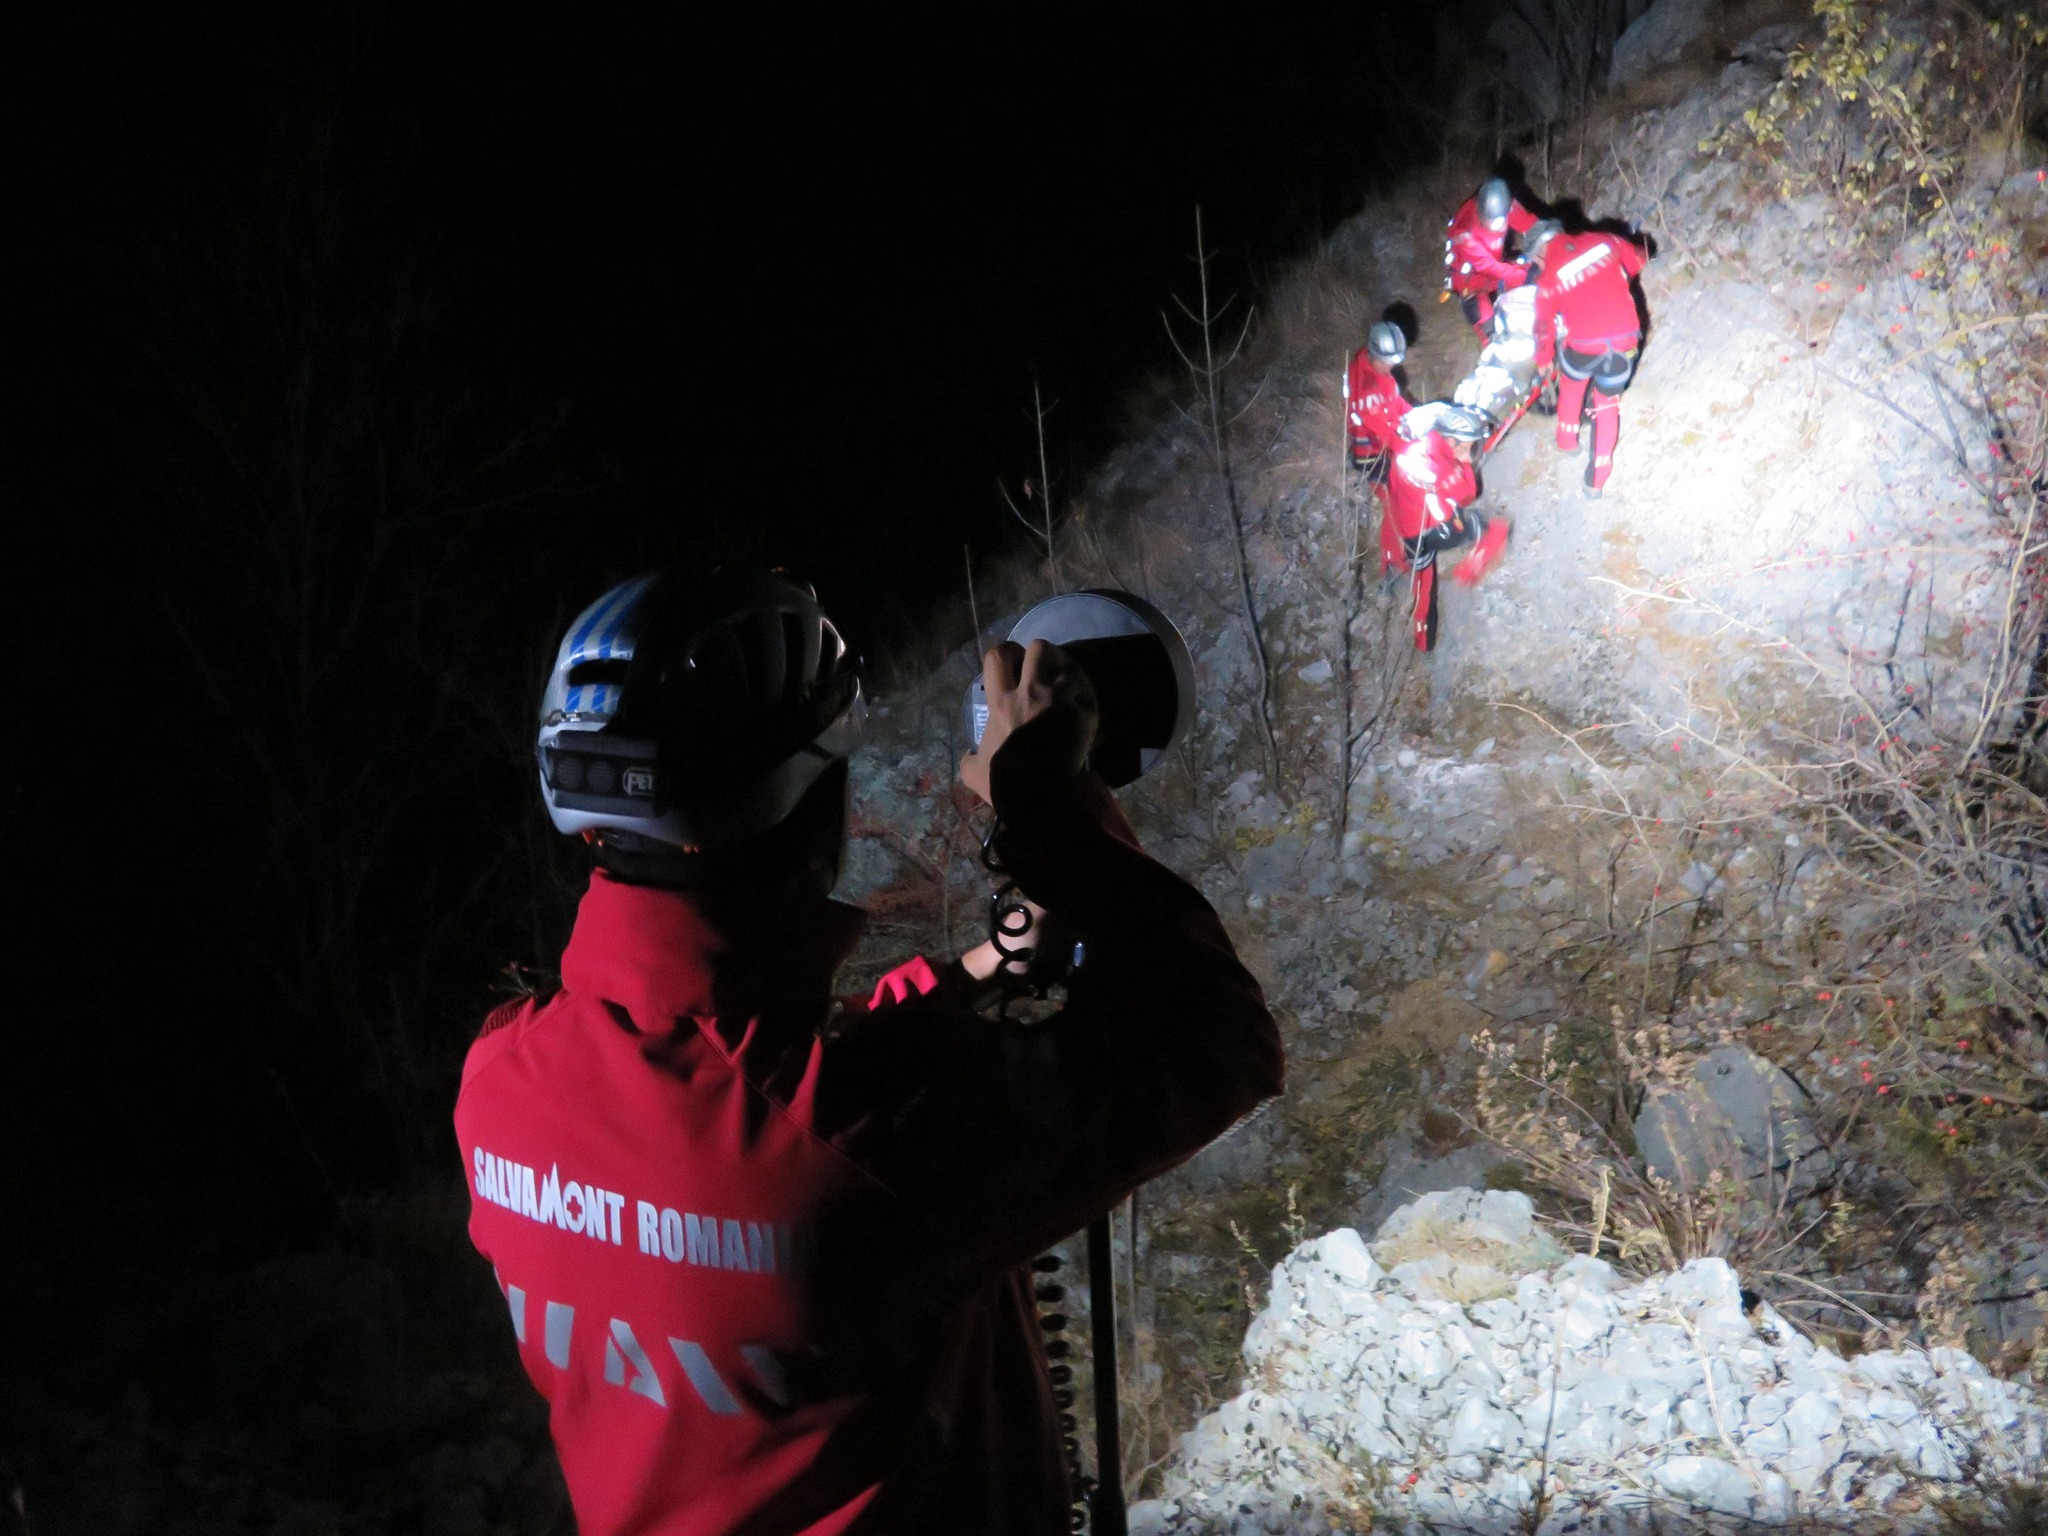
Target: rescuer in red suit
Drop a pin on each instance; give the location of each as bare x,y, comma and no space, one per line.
1373,403
1427,507
1475,241
1586,317
765,1252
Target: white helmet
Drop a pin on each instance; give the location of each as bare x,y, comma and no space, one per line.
694,713
1461,424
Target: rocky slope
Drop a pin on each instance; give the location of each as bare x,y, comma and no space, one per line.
1571,843
1463,1374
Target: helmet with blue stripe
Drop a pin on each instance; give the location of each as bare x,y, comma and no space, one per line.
689,716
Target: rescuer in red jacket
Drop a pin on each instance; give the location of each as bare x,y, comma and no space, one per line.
1427,507
1373,403
763,1252
1475,242
1586,317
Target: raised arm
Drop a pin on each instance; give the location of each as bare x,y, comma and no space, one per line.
1019,1135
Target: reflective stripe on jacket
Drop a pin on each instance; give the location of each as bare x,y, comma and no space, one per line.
1583,295
1428,485
1373,406
763,1254
1472,253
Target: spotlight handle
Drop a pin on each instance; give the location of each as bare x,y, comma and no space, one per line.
1106,1499
1106,1507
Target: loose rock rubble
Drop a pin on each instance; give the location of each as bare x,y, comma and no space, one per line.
1428,1382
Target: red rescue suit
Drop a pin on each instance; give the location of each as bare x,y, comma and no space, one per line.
1373,408
764,1254
1586,311
1426,509
1428,487
1475,267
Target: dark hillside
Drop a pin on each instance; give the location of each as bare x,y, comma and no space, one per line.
352,344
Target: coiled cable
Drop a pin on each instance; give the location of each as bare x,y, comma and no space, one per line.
1049,1294
1009,920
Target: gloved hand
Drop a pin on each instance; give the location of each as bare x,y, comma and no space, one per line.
1043,685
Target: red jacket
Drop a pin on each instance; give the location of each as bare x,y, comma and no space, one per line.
1583,296
763,1256
1373,406
1472,253
1428,485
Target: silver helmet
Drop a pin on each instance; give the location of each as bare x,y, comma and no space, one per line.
1462,424
1538,235
695,713
1495,198
1385,343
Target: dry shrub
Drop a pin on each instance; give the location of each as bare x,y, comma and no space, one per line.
1930,802
1884,112
1314,304
1538,1114
2018,1509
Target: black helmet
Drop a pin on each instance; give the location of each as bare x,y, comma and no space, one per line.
683,717
1385,343
1495,199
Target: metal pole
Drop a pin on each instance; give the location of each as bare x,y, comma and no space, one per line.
1521,409
1106,1509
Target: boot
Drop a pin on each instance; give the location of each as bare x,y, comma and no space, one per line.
1484,553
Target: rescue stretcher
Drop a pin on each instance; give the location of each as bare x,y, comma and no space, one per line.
1505,384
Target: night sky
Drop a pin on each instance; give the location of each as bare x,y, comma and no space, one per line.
771,284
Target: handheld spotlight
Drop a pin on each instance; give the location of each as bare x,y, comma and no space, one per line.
1145,691
1143,675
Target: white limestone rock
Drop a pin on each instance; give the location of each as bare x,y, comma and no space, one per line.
1440,1410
